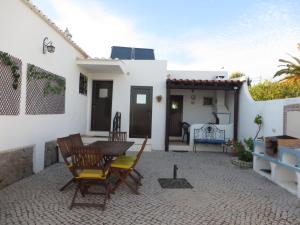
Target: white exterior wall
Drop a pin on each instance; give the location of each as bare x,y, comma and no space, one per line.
189,74
271,111
229,103
22,34
152,73
141,73
197,112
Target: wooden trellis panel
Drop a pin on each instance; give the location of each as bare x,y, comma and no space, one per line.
37,102
9,97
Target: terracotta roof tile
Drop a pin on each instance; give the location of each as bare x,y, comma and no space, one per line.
209,82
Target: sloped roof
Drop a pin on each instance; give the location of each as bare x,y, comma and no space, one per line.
38,12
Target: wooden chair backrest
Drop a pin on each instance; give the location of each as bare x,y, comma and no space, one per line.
117,136
87,157
64,145
138,156
76,139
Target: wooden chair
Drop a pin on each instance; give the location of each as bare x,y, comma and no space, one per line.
76,139
91,169
124,168
64,145
122,136
117,136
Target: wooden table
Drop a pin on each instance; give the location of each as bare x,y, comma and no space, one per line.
113,148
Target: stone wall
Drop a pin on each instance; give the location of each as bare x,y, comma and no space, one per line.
15,164
51,153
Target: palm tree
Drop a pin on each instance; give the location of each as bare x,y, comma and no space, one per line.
291,69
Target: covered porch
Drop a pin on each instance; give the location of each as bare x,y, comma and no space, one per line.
193,104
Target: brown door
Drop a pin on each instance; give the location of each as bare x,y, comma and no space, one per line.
101,105
176,115
140,112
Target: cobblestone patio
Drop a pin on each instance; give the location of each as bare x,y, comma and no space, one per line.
222,194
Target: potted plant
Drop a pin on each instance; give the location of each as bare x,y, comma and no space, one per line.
244,157
258,121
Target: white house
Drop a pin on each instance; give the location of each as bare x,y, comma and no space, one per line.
66,91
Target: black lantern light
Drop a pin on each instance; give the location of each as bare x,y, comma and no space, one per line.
48,46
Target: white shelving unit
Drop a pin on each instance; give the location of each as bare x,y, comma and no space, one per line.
284,170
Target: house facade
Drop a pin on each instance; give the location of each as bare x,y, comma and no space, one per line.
87,94
23,40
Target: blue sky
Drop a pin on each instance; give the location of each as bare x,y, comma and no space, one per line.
246,35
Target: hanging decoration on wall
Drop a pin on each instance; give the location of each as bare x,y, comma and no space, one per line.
45,92
55,84
14,67
158,98
83,81
10,83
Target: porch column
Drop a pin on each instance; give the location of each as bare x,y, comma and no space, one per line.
167,119
236,114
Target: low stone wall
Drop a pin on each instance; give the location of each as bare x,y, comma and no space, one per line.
247,165
51,153
15,165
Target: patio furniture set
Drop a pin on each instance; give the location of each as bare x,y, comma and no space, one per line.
94,164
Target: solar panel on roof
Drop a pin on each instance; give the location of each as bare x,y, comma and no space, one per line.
143,53
121,52
132,53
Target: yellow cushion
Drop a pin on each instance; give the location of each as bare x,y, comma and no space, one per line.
122,164
126,158
92,174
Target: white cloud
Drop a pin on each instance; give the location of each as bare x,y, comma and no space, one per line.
252,45
94,28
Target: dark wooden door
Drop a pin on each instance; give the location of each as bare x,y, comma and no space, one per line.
140,112
176,115
101,105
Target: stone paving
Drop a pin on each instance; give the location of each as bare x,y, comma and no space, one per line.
222,194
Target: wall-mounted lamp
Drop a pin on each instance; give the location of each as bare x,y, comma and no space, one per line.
158,98
48,46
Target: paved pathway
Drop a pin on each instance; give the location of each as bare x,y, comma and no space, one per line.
222,194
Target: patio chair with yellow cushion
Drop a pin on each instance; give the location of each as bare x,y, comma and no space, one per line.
92,170
64,145
76,139
117,136
122,136
124,166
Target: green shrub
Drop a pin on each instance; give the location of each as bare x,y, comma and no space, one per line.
268,90
236,75
243,154
246,156
250,143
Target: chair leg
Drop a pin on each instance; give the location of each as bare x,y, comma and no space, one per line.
117,184
74,196
136,180
108,190
138,173
67,184
122,179
134,190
